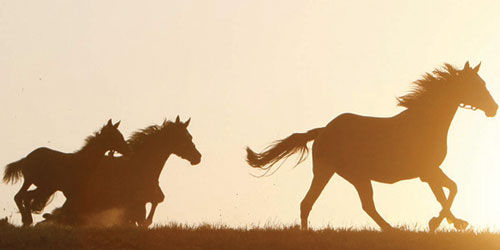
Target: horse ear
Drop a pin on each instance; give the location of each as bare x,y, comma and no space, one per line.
177,120
466,66
476,69
117,124
186,124
110,123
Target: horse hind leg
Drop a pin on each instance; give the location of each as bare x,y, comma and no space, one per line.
23,203
365,192
318,183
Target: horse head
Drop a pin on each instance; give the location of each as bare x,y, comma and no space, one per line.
473,93
184,146
113,139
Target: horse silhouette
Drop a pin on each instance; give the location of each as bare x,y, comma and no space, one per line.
51,170
411,144
130,183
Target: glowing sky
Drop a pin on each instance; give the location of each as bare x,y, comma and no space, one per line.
248,73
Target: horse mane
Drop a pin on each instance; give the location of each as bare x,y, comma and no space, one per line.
429,86
90,140
142,136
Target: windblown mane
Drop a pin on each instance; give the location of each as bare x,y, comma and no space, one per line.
90,140
431,85
142,136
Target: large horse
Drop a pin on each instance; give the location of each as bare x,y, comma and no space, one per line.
128,184
411,144
51,170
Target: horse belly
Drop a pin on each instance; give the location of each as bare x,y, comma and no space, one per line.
385,164
376,171
356,157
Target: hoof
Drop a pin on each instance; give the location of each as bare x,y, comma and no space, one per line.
303,225
145,224
27,222
434,223
389,229
460,224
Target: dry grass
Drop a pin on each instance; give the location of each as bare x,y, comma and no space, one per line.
218,237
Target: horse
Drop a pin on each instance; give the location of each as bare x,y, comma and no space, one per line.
50,170
411,144
130,183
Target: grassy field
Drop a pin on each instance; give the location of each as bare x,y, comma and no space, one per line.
210,237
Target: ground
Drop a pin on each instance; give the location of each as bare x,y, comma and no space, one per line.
220,237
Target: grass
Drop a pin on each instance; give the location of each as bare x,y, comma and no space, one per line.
219,237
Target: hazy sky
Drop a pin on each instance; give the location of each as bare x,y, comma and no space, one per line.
248,73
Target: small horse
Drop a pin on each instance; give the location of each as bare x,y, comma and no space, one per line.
130,183
51,170
411,144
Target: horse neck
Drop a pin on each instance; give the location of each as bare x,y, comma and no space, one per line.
92,151
151,160
437,118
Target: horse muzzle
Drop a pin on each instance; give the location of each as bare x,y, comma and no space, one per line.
491,112
195,161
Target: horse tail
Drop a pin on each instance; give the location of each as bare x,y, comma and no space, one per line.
39,202
282,149
13,172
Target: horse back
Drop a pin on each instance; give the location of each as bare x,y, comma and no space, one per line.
43,165
386,149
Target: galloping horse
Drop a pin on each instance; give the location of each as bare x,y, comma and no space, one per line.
411,144
130,183
51,170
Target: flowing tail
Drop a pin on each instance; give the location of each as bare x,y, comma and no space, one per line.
13,172
282,149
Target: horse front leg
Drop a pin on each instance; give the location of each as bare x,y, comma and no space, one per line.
158,197
149,220
365,192
23,204
140,215
135,214
436,183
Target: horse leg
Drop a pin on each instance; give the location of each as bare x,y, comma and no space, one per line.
149,220
436,184
38,198
20,199
318,183
365,192
71,212
134,215
159,197
140,215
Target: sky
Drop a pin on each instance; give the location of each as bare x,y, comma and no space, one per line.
247,73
